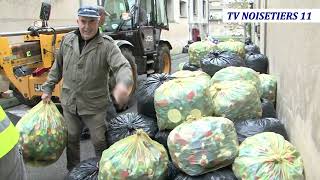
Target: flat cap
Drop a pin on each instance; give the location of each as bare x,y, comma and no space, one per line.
88,11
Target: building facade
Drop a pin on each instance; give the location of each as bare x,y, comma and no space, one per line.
198,19
295,45
19,15
178,33
216,26
188,20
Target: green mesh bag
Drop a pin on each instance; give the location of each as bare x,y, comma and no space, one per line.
43,134
235,100
185,95
232,46
135,157
199,50
268,87
268,156
238,73
203,145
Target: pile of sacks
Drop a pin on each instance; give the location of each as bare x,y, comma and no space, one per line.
215,122
193,126
211,57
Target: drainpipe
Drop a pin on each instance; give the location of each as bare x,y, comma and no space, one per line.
207,14
245,31
265,33
251,24
189,20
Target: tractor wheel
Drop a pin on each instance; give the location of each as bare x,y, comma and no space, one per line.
163,63
127,53
29,102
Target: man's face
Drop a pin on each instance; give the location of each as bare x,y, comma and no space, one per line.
88,26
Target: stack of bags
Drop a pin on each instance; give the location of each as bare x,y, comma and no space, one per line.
254,59
218,123
183,96
211,57
197,51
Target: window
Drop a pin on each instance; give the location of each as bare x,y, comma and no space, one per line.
195,7
170,10
216,4
131,3
145,11
161,15
214,16
183,9
115,8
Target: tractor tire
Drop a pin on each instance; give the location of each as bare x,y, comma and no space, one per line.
127,53
163,63
29,102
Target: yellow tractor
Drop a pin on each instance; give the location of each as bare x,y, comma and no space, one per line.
26,64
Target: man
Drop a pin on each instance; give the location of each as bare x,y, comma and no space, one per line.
103,13
11,160
111,111
84,60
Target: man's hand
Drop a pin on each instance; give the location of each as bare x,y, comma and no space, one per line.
46,98
121,94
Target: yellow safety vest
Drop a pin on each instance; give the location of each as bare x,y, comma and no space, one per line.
9,135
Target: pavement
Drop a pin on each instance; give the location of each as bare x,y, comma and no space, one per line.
57,170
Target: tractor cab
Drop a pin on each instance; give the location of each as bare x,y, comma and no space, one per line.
137,25
131,14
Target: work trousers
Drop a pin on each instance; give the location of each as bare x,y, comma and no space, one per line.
12,166
97,128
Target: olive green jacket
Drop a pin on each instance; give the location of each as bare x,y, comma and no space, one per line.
86,75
